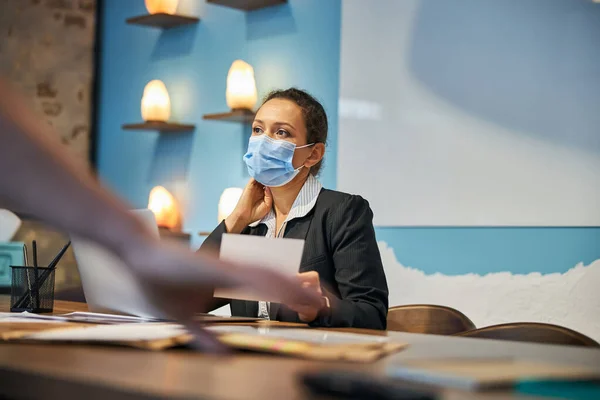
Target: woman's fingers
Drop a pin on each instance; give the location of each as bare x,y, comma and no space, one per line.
311,277
268,197
312,285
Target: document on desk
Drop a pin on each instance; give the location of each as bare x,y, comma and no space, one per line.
12,317
113,333
306,335
282,255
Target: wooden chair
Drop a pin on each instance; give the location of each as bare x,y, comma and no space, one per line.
532,332
428,318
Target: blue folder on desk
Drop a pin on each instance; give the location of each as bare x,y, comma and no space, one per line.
11,253
560,390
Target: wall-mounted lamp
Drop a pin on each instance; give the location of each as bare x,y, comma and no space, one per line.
156,104
228,201
165,208
241,87
161,6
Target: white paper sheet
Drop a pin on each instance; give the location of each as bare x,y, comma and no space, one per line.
79,316
283,255
101,318
25,316
302,334
120,332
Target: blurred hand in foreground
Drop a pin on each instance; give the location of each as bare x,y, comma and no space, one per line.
39,179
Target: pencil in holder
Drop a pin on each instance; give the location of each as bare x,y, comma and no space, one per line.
30,294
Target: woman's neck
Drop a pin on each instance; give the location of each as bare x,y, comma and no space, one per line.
284,196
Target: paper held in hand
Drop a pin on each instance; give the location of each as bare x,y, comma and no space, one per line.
283,255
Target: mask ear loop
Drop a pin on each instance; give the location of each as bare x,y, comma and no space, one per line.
301,147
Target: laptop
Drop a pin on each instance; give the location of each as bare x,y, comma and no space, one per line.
109,287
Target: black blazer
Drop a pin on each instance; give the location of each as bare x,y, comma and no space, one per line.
340,245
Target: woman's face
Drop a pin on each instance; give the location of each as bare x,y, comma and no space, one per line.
282,119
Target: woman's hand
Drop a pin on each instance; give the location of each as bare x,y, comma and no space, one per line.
308,312
256,202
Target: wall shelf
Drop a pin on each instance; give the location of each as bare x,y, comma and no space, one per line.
247,5
166,233
162,20
239,116
159,126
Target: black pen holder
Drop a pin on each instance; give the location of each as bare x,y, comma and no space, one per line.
30,294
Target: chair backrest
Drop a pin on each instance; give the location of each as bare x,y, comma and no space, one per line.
428,318
532,332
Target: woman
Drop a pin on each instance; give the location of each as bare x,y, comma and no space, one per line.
285,199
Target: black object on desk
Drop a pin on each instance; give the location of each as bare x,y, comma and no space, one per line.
36,278
29,294
32,288
355,385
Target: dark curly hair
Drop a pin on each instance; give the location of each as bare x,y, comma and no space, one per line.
315,118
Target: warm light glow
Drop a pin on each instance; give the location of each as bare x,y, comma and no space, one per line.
161,6
228,201
156,105
241,88
164,206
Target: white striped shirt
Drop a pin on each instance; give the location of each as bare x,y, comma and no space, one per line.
306,200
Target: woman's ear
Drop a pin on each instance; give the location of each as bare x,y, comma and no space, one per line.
316,155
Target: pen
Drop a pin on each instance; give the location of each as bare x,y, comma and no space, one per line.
26,263
54,262
25,259
56,259
36,287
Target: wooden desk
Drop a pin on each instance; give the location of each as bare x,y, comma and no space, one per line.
94,372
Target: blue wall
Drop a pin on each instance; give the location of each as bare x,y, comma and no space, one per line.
292,45
455,251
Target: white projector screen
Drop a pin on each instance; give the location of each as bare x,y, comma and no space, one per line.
471,112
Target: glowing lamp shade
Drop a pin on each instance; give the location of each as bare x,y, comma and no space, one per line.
161,6
165,208
156,105
241,87
228,201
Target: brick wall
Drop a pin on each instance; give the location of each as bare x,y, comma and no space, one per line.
46,49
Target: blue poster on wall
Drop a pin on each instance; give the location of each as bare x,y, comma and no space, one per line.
450,118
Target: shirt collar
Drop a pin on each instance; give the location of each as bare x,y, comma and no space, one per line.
305,201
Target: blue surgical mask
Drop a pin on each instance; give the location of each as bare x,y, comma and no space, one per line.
269,161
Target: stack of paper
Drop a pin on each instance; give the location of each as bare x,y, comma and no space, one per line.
304,343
